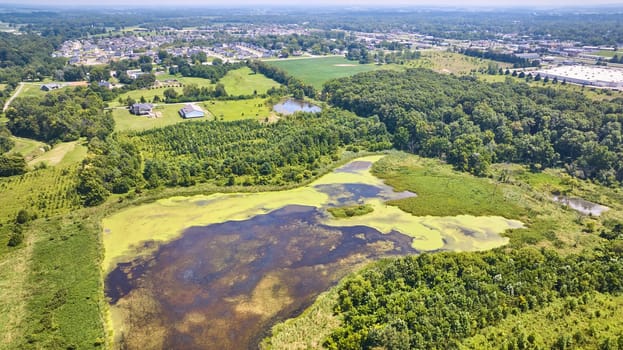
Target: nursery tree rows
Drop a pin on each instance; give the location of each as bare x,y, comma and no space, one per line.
244,152
471,124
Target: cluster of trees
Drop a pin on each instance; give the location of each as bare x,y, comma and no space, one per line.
193,92
114,166
419,302
64,115
471,124
213,72
244,152
616,59
6,143
27,57
516,61
295,86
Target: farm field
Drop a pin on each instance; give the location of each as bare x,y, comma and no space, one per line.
316,71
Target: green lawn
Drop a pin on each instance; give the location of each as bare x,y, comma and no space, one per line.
168,115
243,82
62,154
608,54
316,71
239,109
31,90
27,147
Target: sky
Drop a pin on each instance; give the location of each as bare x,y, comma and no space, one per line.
361,3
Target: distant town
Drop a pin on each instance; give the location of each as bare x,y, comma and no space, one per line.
570,61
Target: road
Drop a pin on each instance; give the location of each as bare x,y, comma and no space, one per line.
8,102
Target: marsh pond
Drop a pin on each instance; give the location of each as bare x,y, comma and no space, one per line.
217,271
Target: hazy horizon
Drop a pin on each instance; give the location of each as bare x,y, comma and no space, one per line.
322,3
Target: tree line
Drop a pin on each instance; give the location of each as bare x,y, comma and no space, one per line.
420,302
471,123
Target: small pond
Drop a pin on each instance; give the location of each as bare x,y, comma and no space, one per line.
292,106
583,206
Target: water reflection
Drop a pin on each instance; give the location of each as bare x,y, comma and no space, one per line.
581,205
238,276
291,106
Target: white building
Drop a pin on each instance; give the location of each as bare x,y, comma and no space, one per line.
586,75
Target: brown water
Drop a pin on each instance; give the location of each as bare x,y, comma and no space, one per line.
222,286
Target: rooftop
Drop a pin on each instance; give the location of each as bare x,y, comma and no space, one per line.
588,73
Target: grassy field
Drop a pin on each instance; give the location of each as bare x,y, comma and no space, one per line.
63,308
316,71
450,62
237,82
608,53
136,95
62,154
27,147
243,82
168,115
238,109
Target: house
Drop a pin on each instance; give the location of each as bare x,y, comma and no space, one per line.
105,84
191,111
51,86
141,108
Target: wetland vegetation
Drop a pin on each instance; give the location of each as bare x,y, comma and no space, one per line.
306,231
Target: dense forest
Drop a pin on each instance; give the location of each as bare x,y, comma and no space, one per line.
421,302
471,124
60,116
244,152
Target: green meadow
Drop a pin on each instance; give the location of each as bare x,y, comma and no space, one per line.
228,110
318,70
244,82
62,154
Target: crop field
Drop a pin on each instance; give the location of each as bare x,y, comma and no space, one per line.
316,71
167,115
256,108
